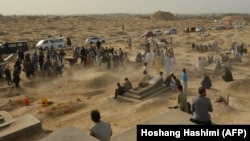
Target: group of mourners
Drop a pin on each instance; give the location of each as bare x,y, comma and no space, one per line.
97,55
201,105
238,49
50,62
205,47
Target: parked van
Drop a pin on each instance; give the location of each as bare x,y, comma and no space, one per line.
12,47
55,42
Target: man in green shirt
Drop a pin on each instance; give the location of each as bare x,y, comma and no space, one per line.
182,100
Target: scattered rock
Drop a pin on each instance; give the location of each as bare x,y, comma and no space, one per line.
48,131
218,99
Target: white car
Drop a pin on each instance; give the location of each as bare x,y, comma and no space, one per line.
93,40
171,31
157,32
55,42
239,26
200,29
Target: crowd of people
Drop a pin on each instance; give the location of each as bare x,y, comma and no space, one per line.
97,55
158,59
200,107
51,62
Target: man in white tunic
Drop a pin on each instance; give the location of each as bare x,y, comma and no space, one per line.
167,65
199,66
173,62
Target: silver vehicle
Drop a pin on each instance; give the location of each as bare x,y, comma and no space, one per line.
200,29
55,42
157,32
171,31
93,40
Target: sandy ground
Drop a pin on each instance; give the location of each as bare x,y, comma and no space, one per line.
80,90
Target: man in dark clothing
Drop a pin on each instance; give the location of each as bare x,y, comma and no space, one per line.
227,77
68,41
138,58
119,90
41,57
200,108
20,53
46,67
168,80
206,81
18,64
16,77
8,75
98,44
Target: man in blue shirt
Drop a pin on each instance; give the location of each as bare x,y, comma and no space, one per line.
184,79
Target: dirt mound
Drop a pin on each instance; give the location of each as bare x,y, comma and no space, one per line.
161,15
232,18
12,91
238,94
102,80
239,87
93,92
64,108
239,103
13,104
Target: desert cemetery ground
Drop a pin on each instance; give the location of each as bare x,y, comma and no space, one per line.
80,89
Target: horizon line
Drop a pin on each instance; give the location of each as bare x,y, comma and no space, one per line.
117,13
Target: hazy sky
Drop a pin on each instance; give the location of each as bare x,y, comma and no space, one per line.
69,7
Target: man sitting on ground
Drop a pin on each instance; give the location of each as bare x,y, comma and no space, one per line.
174,82
127,85
227,77
100,129
168,80
138,58
201,106
206,81
145,79
119,90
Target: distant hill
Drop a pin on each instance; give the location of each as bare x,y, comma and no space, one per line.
161,15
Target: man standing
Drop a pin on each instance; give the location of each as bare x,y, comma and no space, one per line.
8,74
145,67
199,66
173,64
167,64
217,68
100,129
201,106
129,44
16,77
158,63
184,78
